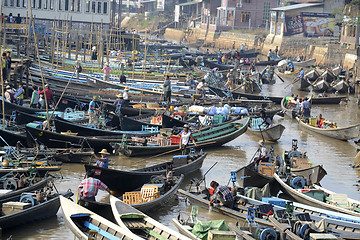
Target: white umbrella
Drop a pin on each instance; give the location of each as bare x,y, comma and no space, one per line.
282,62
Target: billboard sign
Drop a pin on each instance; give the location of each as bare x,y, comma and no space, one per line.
318,24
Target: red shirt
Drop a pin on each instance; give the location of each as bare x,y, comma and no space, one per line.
48,93
89,187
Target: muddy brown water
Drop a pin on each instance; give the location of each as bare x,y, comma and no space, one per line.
336,156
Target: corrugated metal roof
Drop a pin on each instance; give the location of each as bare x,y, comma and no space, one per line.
297,6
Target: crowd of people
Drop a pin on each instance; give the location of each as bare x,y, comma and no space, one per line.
11,18
302,105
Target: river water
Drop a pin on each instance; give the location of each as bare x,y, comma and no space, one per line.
336,157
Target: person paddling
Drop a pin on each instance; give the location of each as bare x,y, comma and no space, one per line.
102,161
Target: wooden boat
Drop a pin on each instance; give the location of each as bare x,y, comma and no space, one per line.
12,138
296,163
345,229
14,195
272,133
10,107
137,178
343,225
130,124
25,118
312,75
304,83
80,221
41,171
248,177
40,211
104,209
62,125
169,122
212,137
58,140
328,76
277,100
129,111
140,224
341,133
321,85
302,198
342,86
306,63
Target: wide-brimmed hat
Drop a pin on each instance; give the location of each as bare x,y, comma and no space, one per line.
261,142
186,126
8,87
104,151
119,95
127,89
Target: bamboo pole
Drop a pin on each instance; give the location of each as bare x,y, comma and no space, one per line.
133,55
38,56
144,69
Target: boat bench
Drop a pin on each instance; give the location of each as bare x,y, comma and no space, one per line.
135,224
209,131
97,226
148,193
300,216
256,122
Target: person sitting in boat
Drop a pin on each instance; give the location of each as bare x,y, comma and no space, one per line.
263,154
185,139
9,95
223,194
112,120
102,161
320,121
119,100
90,186
290,66
267,121
288,99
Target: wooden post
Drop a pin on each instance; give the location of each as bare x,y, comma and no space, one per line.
16,73
77,46
84,46
27,77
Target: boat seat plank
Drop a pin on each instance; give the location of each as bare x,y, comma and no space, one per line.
100,231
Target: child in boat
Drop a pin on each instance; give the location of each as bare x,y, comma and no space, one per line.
320,121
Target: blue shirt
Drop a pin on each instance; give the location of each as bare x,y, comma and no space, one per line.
103,164
290,65
92,104
306,104
302,73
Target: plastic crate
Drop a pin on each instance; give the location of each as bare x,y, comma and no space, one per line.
175,139
312,121
275,201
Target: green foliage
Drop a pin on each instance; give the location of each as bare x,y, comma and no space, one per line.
355,2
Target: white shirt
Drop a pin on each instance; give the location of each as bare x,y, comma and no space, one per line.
200,85
125,95
185,137
263,152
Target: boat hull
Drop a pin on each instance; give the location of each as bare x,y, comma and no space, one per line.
344,133
269,134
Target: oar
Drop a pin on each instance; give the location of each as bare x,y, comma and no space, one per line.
279,77
174,150
254,154
261,132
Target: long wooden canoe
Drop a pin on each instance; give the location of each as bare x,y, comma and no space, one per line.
137,178
341,133
213,137
81,220
302,198
272,133
142,225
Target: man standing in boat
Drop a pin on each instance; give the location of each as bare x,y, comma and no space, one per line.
167,90
305,108
107,71
224,194
93,119
185,138
90,186
263,154
102,161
